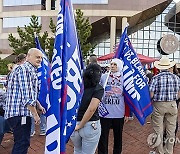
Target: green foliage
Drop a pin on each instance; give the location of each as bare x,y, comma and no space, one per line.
50,40
3,67
26,37
84,32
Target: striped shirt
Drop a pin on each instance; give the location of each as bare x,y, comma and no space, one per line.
165,86
2,98
22,90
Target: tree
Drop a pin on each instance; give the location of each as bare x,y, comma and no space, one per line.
50,40
26,37
84,32
3,67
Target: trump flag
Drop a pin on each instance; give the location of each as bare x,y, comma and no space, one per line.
66,82
136,90
43,77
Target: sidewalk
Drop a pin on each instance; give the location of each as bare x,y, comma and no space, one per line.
134,141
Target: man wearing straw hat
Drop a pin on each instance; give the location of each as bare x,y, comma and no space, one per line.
164,91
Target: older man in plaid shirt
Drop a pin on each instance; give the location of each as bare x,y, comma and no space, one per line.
22,92
165,90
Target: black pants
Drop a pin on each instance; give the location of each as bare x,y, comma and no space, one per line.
21,134
117,125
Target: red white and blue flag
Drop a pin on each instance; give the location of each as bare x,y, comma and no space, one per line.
66,82
136,90
43,77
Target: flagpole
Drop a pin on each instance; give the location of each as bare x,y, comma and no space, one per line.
35,35
105,83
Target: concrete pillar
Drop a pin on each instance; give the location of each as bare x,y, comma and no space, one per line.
124,23
1,25
57,4
112,33
48,4
1,19
1,5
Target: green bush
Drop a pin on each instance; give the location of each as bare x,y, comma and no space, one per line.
3,67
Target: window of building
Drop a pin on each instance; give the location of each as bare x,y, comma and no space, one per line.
20,2
18,21
90,1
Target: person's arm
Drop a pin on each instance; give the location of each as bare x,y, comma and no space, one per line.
40,108
34,113
152,87
26,83
151,94
29,95
89,113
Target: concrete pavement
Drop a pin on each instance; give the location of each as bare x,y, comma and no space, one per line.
134,141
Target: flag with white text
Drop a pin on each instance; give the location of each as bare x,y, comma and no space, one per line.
136,90
43,77
66,82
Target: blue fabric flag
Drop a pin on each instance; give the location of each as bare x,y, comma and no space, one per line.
43,77
136,90
66,82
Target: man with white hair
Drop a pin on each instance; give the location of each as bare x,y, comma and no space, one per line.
164,91
22,92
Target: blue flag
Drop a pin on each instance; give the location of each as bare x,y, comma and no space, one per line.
43,77
66,82
136,90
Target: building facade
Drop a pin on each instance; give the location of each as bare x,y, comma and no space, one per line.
108,18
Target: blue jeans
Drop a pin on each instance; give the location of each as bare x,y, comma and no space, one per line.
21,134
42,124
86,139
4,127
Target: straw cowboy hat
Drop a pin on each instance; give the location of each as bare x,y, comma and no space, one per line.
164,63
154,140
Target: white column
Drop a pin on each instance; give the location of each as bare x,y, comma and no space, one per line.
1,25
57,4
112,33
1,5
124,23
48,4
1,20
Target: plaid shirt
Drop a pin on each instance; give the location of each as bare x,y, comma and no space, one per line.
2,98
22,90
165,86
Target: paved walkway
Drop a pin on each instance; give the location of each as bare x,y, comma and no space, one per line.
134,141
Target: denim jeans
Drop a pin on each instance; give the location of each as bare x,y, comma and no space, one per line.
42,124
86,139
4,127
21,134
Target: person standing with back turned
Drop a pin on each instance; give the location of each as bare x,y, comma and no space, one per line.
22,92
164,91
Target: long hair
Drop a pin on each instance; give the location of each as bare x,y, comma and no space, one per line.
91,75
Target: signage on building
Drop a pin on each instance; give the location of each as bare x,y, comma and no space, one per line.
169,43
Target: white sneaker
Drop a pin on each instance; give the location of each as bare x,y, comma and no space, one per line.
42,133
32,134
152,152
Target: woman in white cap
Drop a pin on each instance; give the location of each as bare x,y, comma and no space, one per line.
112,108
